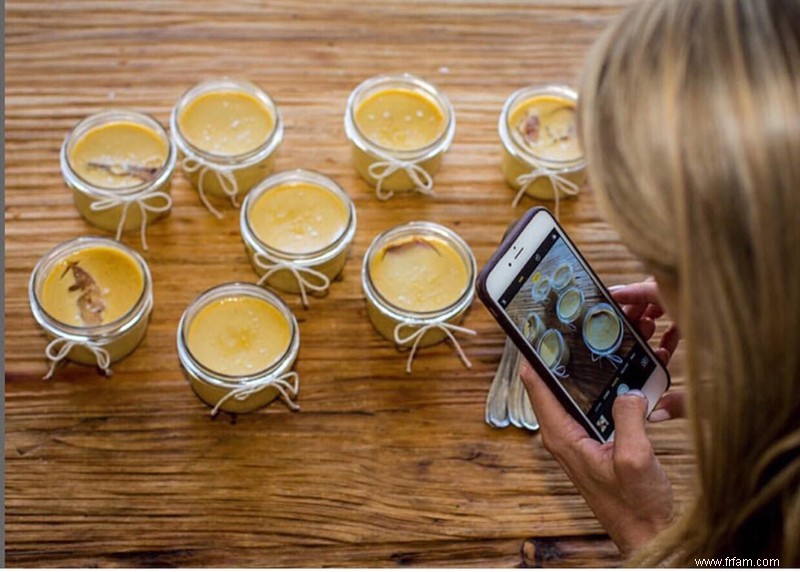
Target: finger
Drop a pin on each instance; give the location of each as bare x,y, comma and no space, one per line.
633,311
640,293
672,405
654,311
670,339
557,425
647,328
549,410
664,355
632,448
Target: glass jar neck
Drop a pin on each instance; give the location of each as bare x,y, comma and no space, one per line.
76,181
207,375
408,81
525,155
306,258
104,333
412,229
226,161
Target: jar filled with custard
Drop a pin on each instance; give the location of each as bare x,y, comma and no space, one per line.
399,126
119,166
419,282
297,227
227,132
93,298
541,153
237,344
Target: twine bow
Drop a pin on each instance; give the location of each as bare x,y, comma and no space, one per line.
560,371
56,355
224,177
418,334
287,385
615,360
272,266
111,200
561,185
381,170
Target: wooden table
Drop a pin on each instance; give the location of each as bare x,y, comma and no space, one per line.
380,467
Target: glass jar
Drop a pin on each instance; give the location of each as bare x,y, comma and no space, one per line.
143,193
390,169
240,393
602,331
407,328
541,290
532,327
570,306
554,352
540,175
298,272
226,174
102,344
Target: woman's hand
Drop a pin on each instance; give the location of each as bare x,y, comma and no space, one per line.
623,482
641,303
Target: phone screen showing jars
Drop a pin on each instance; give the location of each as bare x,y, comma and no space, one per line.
578,335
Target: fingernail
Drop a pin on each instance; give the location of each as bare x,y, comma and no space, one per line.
616,287
637,393
659,415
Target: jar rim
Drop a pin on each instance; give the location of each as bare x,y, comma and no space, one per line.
561,345
75,180
562,295
227,289
402,314
240,160
110,330
366,144
593,311
300,176
515,150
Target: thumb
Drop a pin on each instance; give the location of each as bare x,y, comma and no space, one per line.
631,445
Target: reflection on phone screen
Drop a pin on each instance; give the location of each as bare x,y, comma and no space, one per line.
578,335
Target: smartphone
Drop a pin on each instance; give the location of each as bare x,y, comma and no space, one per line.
564,321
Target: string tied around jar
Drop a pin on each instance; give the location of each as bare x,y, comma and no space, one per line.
111,199
288,385
381,170
271,266
561,185
615,360
58,350
417,335
225,178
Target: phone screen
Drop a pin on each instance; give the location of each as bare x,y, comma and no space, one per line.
570,324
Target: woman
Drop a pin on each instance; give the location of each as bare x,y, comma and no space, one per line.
690,121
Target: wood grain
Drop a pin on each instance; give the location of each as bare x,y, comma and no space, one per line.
379,468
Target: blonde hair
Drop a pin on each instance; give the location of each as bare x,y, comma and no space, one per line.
690,121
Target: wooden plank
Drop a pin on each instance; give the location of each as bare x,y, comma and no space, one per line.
379,468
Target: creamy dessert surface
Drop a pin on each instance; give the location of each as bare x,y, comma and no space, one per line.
401,119
119,154
92,287
298,217
419,273
238,335
226,122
